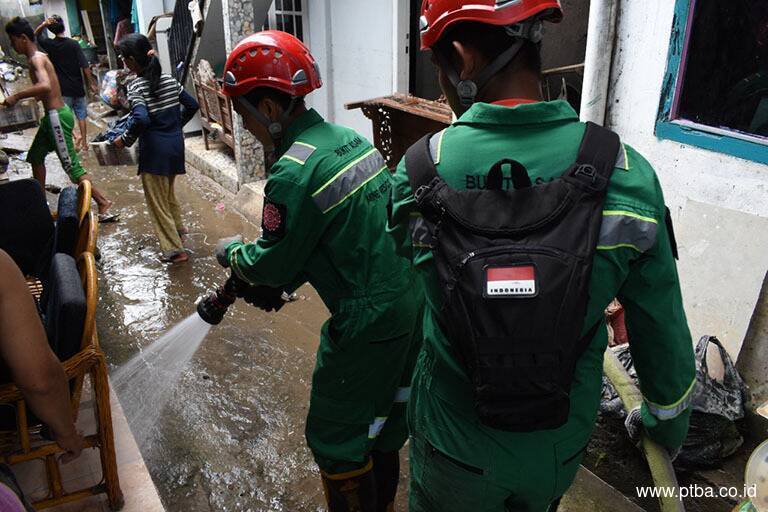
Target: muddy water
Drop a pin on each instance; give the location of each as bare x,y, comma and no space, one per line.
232,437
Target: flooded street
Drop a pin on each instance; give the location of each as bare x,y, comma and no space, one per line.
232,436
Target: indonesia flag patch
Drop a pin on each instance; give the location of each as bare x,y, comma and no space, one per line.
518,281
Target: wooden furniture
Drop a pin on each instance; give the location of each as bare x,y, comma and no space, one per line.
214,108
83,199
88,362
400,120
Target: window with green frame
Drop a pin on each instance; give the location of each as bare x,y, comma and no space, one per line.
715,93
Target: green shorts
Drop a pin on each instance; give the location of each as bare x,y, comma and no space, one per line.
55,134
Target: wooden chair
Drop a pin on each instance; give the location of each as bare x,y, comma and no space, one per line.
83,199
215,107
89,231
89,361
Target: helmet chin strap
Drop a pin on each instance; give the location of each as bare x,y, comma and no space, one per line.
275,128
467,90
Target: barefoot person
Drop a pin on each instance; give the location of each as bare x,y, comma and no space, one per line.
55,131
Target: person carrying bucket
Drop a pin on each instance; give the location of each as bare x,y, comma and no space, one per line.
323,222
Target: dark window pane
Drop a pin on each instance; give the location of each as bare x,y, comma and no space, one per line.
278,5
288,23
297,5
287,5
279,22
725,82
266,23
299,28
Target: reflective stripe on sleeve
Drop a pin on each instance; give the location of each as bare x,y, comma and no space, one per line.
402,395
627,229
669,412
349,180
299,152
374,429
436,146
622,160
421,234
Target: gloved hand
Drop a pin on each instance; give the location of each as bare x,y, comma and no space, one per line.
264,297
634,425
221,249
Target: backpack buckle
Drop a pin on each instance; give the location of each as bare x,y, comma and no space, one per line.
586,170
420,192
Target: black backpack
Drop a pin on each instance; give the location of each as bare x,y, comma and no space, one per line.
515,266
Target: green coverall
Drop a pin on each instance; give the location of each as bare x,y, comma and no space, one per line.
458,464
324,222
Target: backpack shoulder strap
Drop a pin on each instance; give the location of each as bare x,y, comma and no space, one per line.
597,157
420,164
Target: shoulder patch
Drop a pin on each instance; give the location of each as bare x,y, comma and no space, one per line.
273,219
299,152
622,160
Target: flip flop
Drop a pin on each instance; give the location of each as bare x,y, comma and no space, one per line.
179,257
105,218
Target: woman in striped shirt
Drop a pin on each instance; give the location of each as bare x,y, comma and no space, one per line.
159,109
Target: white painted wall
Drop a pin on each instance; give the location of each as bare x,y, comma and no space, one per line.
716,199
148,9
352,41
59,7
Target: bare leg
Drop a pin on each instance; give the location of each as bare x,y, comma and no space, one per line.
83,134
101,200
38,171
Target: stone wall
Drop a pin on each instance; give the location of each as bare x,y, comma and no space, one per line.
239,21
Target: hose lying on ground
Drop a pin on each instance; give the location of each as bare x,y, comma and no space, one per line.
662,472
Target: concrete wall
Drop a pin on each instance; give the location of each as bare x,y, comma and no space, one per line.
355,55
719,203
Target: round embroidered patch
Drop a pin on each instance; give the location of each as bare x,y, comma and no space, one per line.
272,219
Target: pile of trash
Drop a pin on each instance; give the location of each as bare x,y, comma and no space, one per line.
114,88
716,406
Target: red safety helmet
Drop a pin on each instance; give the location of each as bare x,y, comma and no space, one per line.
271,59
438,15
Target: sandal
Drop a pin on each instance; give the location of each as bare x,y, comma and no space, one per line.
105,218
177,257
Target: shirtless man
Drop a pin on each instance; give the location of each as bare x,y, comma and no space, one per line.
55,131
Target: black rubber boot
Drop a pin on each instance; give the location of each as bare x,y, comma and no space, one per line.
386,468
354,491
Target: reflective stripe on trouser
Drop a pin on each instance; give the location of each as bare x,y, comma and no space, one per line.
627,229
164,210
401,396
349,180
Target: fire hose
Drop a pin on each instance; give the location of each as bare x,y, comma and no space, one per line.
660,464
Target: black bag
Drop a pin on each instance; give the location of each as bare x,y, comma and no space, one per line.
515,268
713,435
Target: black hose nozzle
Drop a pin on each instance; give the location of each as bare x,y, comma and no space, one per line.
213,307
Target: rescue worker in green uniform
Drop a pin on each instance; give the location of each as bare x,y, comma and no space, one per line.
324,222
487,57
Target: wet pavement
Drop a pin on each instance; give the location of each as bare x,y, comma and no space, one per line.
232,437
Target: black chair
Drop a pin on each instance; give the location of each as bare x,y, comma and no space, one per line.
67,222
26,226
63,307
